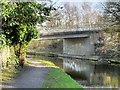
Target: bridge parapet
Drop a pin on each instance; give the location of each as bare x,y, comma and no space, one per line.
68,34
66,29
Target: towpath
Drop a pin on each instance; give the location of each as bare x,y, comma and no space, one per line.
33,77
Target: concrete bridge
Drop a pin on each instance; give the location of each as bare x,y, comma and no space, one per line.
76,42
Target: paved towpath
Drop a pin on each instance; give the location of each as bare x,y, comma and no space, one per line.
33,77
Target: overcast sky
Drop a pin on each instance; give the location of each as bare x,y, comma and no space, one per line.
95,3
79,0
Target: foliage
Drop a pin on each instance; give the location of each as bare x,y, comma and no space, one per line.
112,13
112,29
19,21
2,40
10,72
112,16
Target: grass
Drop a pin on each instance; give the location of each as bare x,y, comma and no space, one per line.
50,54
57,78
9,73
27,62
48,63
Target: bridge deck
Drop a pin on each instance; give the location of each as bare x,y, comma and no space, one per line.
68,34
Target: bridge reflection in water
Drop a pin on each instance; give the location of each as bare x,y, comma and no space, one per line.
91,74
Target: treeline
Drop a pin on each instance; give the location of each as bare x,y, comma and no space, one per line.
111,30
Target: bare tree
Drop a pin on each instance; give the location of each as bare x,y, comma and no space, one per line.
72,15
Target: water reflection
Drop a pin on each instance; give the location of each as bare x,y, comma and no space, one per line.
93,74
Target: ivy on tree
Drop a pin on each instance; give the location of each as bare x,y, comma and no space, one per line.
19,21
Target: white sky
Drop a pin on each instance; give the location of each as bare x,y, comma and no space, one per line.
79,0
60,2
95,3
75,1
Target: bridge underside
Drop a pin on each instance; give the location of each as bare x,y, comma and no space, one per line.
64,37
68,35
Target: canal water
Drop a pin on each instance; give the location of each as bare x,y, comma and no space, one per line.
90,74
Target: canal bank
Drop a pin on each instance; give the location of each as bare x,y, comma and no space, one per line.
41,74
57,78
88,74
95,59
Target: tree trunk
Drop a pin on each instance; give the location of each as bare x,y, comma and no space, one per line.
20,54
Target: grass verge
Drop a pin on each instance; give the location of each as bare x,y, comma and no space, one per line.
10,72
57,78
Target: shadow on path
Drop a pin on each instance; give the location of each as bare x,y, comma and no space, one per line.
33,77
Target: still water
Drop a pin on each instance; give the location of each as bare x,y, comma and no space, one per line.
90,74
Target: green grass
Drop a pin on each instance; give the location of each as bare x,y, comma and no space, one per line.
9,73
28,62
48,63
57,78
36,53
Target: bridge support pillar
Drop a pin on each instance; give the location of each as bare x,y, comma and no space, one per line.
78,46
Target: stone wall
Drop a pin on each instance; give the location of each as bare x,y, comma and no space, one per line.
7,56
4,55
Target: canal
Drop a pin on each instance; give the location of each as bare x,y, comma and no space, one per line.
92,74
89,74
